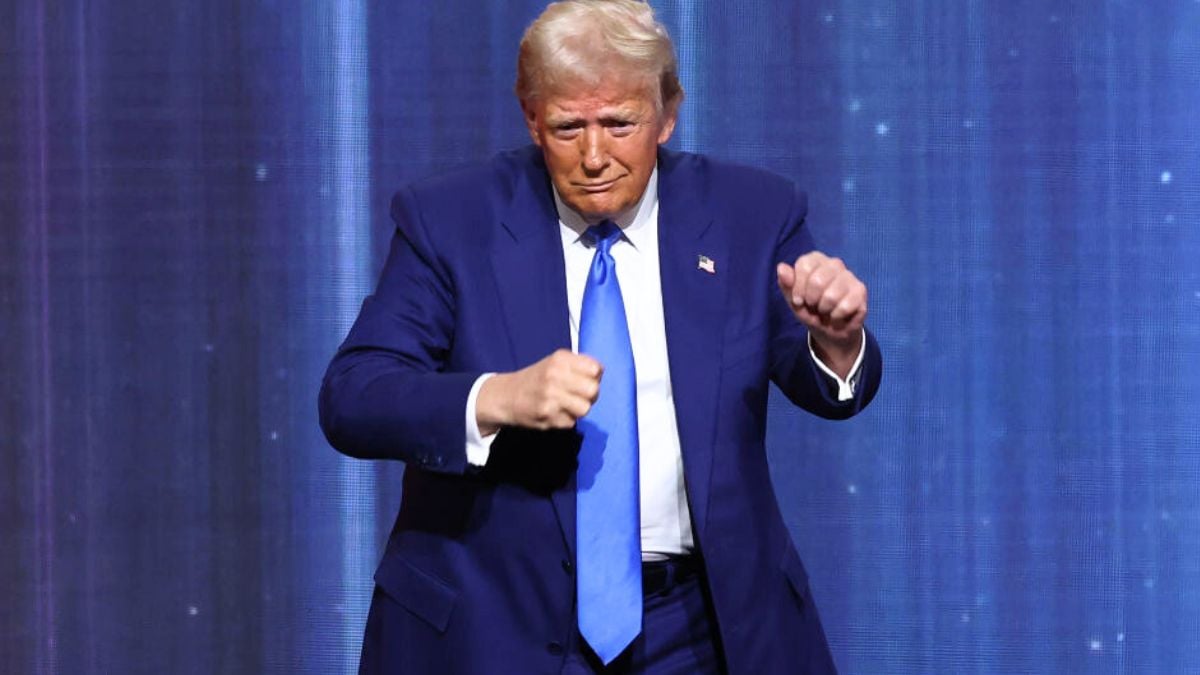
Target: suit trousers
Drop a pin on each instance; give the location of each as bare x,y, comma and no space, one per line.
679,636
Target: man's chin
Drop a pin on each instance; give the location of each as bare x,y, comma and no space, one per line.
595,210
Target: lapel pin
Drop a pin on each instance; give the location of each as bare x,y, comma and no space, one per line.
707,264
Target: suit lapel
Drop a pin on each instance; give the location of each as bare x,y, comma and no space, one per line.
527,264
693,303
530,274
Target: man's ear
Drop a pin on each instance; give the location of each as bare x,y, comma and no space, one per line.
530,111
670,114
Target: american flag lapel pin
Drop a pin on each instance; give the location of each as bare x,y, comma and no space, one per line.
707,264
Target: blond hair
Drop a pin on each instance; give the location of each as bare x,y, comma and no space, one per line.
577,42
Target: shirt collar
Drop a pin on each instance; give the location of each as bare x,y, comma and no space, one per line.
634,221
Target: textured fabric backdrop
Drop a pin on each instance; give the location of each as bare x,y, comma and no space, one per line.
193,202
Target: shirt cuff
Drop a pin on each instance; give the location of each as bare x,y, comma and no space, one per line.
479,447
846,387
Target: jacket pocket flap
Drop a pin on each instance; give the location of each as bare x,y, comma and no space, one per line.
421,593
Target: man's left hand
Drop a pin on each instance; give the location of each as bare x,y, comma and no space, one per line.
828,299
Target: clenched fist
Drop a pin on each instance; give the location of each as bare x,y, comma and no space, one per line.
828,299
550,394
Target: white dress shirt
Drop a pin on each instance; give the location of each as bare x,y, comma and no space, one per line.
666,524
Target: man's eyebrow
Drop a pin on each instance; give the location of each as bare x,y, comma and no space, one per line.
562,119
620,115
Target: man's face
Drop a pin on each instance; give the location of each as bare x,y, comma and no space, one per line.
600,143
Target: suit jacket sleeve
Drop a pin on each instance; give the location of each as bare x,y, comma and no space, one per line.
792,366
386,394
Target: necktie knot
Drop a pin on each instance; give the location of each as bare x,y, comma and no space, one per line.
605,234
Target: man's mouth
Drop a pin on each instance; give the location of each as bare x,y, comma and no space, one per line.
597,186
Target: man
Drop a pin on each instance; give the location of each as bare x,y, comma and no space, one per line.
570,347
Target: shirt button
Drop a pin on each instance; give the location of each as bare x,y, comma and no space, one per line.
566,565
554,648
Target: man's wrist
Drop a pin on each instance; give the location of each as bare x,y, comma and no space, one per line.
838,355
479,442
491,406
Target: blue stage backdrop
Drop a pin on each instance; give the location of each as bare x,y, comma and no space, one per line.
193,201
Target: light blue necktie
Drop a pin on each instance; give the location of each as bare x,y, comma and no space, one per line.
608,524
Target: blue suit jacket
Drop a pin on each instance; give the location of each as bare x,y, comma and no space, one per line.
477,576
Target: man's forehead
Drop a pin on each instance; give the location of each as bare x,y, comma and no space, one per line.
582,108
607,95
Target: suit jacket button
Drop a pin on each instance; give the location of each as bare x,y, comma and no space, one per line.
566,565
555,649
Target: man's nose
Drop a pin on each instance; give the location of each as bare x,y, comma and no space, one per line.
595,154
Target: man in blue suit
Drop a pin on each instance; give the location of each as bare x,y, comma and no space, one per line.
570,347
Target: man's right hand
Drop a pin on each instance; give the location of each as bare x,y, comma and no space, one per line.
551,394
